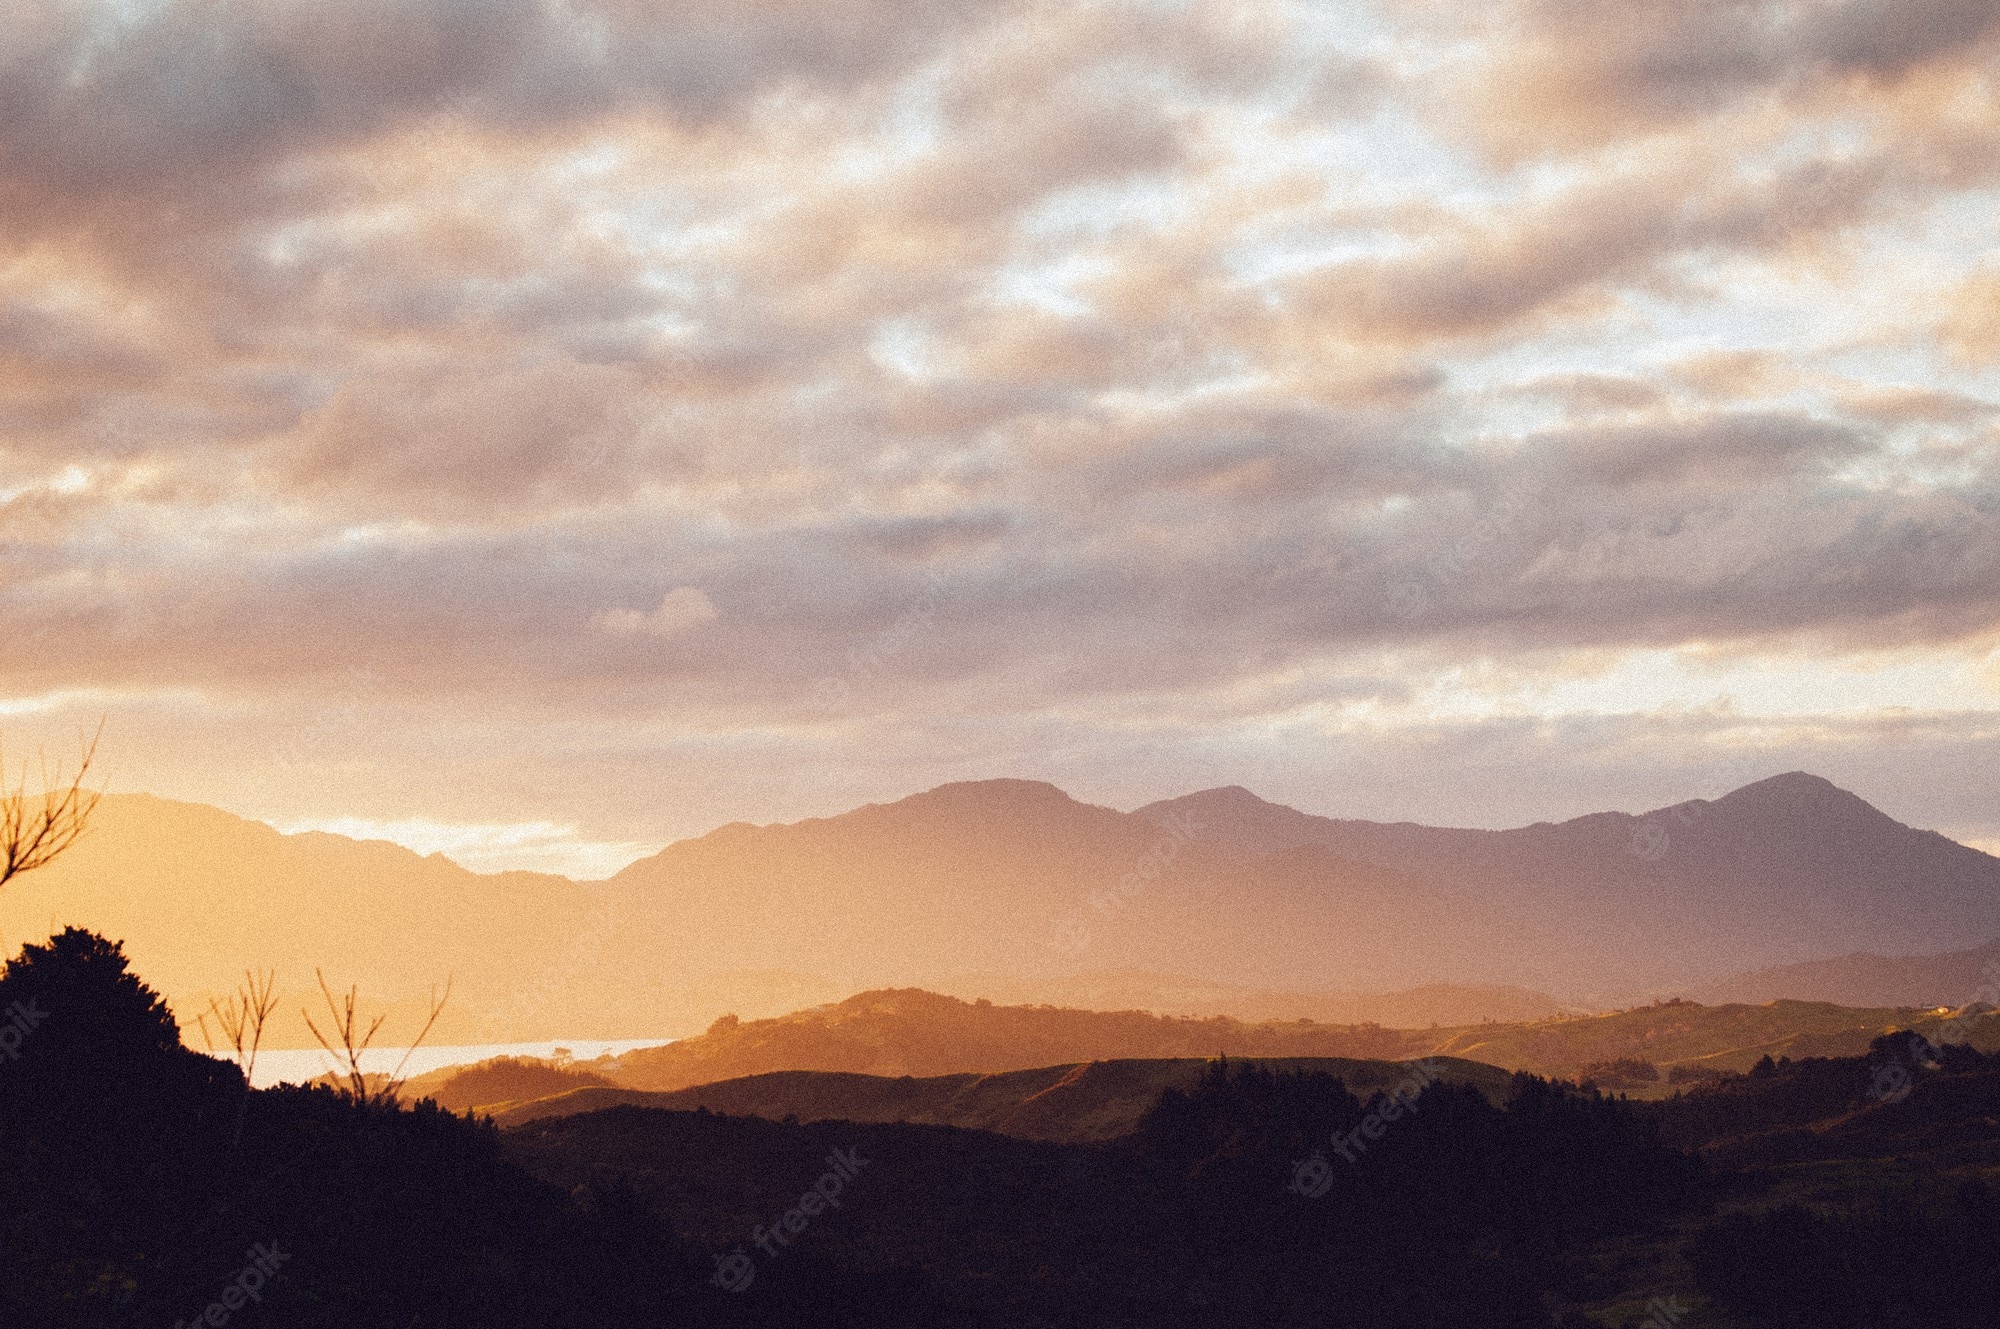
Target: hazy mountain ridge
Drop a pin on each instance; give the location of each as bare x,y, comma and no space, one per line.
1954,978
1219,893
1791,865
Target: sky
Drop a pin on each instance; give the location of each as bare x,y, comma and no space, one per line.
539,430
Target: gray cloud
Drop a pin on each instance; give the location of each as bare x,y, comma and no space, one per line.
1035,377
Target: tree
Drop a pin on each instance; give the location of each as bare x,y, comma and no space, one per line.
34,830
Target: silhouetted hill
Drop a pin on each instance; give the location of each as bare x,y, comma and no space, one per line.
1221,1211
1901,1097
498,1080
1099,1100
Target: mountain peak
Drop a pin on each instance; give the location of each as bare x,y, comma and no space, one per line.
1005,792
1226,801
1795,790
1229,795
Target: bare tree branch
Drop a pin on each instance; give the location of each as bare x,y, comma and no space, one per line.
242,1018
396,1077
33,831
349,1040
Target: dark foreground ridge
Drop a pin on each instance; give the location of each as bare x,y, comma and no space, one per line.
144,1185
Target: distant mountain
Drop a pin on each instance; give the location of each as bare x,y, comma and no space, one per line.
1077,1103
1185,907
199,895
1785,870
1955,978
1016,878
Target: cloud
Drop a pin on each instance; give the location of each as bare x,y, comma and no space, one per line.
680,609
1177,361
1971,327
1572,73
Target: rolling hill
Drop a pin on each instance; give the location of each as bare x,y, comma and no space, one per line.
909,1032
1074,1104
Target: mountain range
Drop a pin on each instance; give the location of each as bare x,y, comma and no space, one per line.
1187,906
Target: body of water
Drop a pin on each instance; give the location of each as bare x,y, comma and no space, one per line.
297,1065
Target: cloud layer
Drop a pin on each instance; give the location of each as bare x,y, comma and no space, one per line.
772,407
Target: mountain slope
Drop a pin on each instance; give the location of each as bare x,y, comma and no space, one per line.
1074,1104
911,1032
1219,892
1953,978
1785,870
199,895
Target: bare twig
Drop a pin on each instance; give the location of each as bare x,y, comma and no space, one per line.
345,1023
349,1041
242,1018
33,831
396,1077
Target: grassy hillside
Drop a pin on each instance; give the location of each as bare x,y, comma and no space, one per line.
1732,1037
909,1032
1071,1104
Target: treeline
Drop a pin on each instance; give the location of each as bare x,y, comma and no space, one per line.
143,1184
